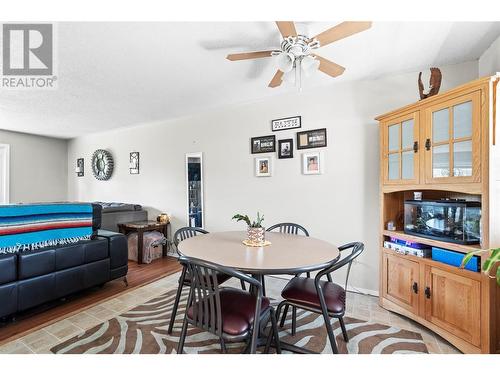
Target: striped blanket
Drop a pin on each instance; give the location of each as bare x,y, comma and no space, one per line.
33,226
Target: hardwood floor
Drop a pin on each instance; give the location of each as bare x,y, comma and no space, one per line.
138,275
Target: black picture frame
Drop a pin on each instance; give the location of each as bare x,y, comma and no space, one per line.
281,153
275,125
312,139
134,162
268,141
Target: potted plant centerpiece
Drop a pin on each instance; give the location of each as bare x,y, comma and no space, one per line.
255,231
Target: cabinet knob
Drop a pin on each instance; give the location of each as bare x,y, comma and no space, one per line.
415,287
415,146
427,292
428,144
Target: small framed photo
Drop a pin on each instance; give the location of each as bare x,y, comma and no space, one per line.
285,148
263,166
311,139
286,123
263,144
312,163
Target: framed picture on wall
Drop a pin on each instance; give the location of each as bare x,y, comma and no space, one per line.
311,139
285,148
286,123
312,163
263,166
263,144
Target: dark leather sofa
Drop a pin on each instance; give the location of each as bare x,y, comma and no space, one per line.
31,278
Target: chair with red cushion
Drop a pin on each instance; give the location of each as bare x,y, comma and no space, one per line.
185,279
296,229
323,296
229,313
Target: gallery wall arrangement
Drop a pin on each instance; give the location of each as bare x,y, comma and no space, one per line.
312,161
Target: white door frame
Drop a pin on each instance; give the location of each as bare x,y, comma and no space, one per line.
5,150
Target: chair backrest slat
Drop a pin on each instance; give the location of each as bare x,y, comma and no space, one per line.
204,297
289,228
185,233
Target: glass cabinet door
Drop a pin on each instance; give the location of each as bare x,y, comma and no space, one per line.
452,141
400,148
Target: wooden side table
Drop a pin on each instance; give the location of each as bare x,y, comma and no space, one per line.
145,226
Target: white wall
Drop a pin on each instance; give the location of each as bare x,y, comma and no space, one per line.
489,62
339,206
38,167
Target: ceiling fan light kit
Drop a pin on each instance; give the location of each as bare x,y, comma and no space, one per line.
296,52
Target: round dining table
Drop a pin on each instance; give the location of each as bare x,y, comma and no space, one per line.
286,254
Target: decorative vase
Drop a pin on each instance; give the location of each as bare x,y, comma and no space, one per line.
256,235
162,218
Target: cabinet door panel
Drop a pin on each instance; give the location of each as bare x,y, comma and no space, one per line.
399,277
393,140
462,158
441,125
407,165
400,150
454,304
453,137
441,161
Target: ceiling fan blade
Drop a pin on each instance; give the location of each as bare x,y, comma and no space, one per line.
341,31
287,28
329,67
248,55
277,79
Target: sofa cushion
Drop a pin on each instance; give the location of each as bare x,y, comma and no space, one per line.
36,263
8,298
8,268
96,273
36,291
69,281
69,256
95,250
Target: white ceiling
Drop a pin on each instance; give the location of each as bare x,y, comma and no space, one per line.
113,75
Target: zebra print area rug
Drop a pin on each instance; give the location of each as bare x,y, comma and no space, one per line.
143,330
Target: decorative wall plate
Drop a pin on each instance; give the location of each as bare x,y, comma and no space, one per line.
102,165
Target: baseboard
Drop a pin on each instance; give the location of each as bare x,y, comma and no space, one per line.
370,292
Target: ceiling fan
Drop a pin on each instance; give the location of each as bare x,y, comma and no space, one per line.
296,51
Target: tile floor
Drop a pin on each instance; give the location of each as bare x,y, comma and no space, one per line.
358,306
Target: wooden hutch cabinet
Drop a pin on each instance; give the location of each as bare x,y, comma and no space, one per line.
446,147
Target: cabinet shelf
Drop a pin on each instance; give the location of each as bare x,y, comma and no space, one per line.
426,241
428,261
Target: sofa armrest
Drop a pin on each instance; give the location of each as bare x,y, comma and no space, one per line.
118,248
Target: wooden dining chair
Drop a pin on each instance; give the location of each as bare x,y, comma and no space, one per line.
297,229
323,296
185,279
231,314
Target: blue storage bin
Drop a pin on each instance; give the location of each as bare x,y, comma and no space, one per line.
454,258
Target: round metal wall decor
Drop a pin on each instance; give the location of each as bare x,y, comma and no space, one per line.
102,165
